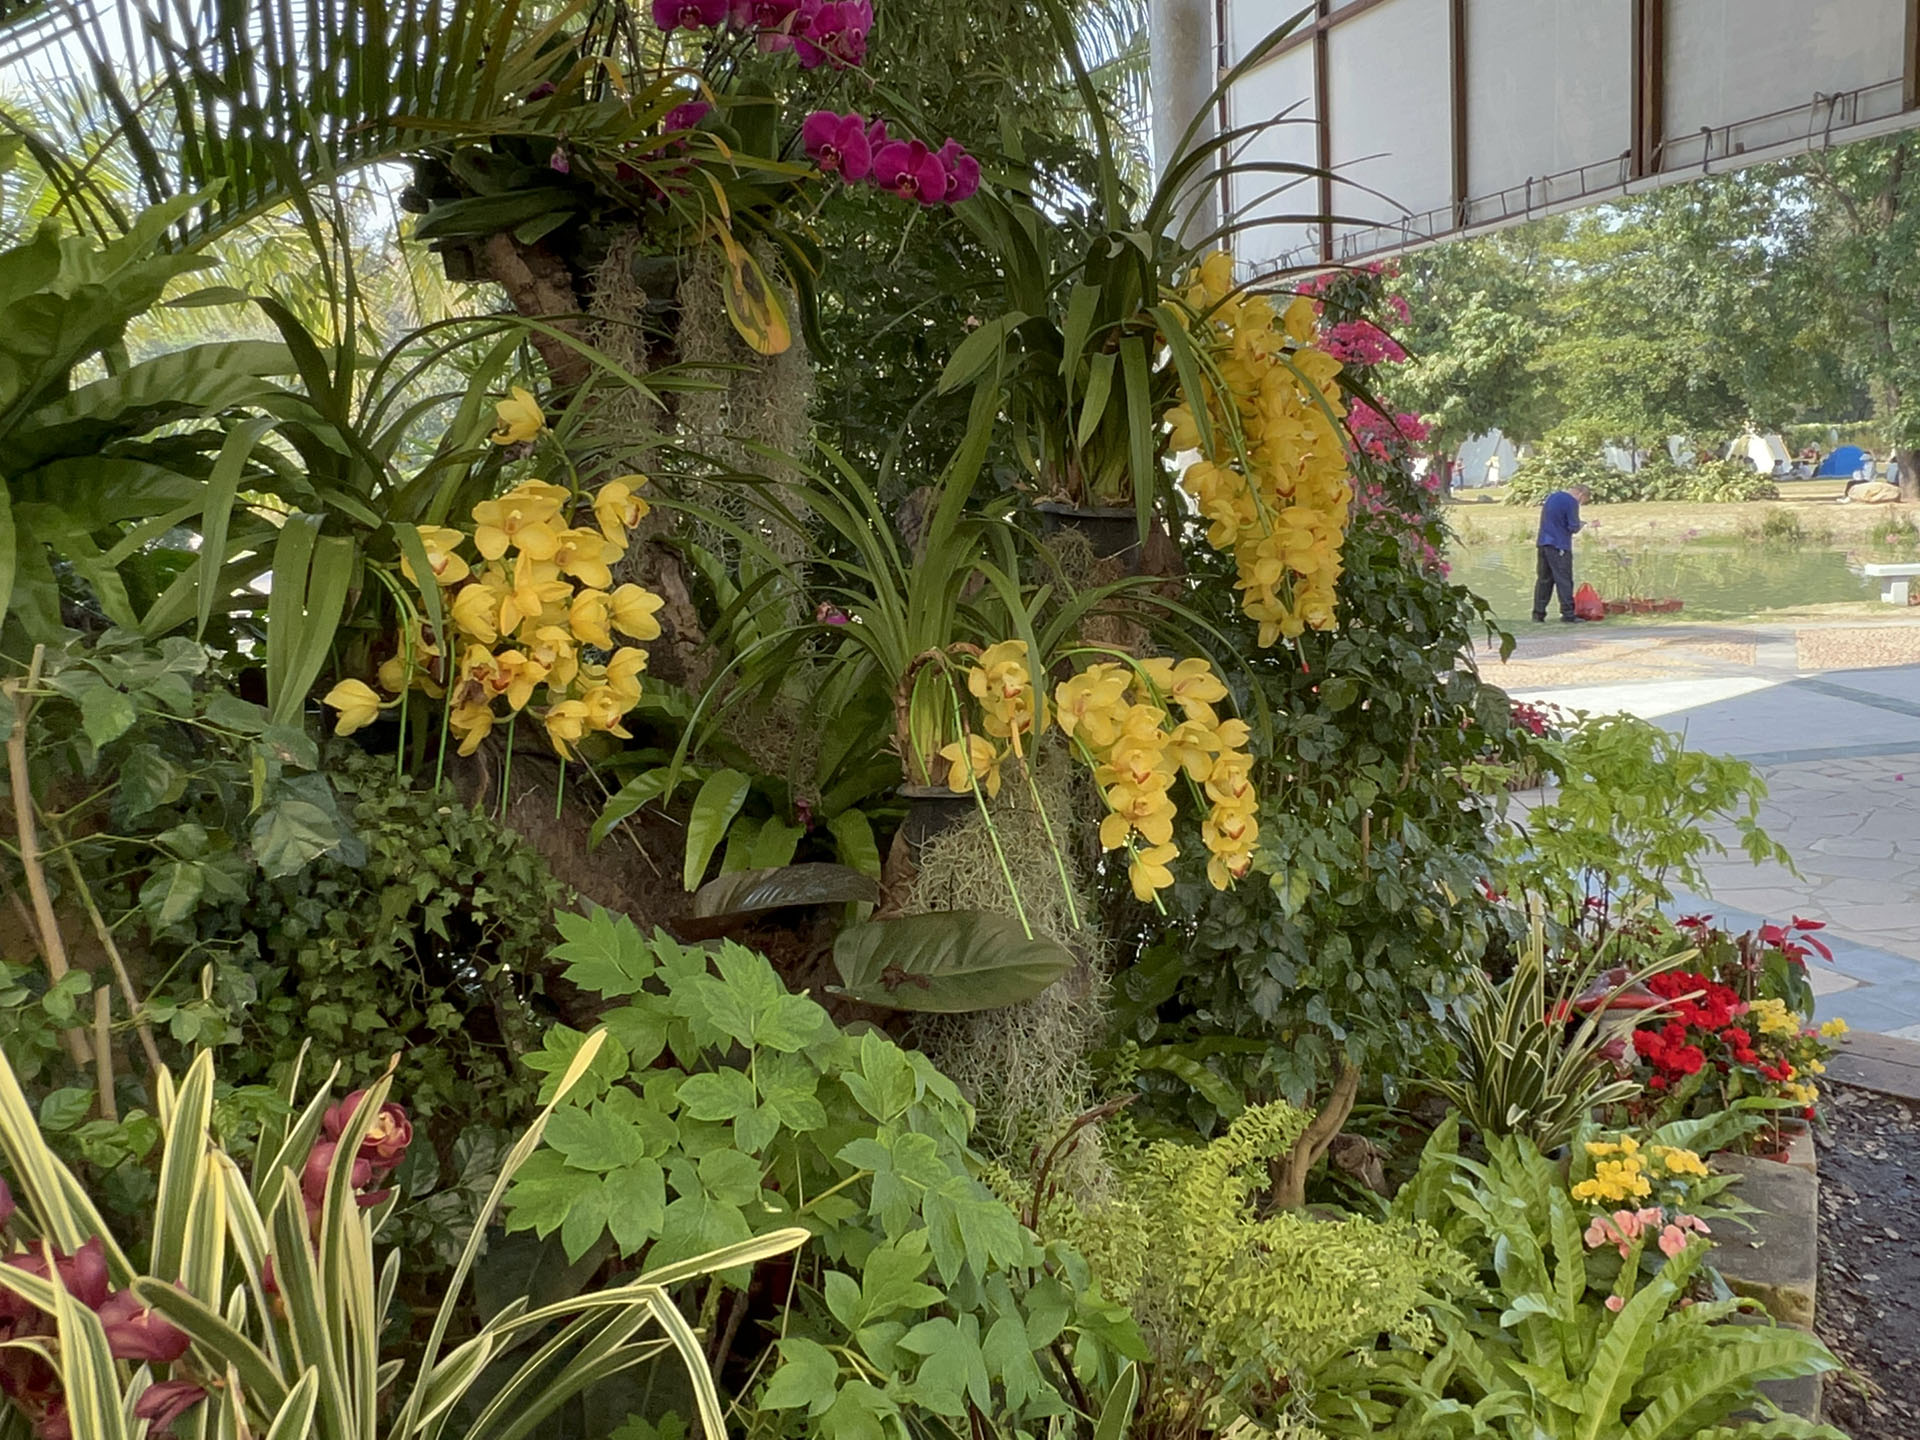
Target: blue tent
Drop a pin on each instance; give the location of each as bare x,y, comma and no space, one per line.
1844,463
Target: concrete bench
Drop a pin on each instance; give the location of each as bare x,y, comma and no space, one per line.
1897,578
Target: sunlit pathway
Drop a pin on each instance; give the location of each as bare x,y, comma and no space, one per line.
1831,716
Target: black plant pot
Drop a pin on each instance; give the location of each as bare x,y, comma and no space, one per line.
932,810
1111,530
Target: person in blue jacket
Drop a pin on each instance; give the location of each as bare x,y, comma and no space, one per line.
1559,522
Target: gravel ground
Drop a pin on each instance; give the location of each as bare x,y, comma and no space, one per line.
1869,1292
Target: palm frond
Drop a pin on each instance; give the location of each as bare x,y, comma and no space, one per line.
250,103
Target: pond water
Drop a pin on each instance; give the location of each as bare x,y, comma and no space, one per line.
1717,579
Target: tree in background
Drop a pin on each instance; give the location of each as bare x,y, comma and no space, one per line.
1693,310
1863,269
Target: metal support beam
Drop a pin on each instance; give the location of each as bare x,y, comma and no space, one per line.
1457,95
1649,87
1323,130
1910,60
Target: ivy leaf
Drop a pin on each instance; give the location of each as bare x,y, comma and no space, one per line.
106,714
605,954
808,1375
719,1095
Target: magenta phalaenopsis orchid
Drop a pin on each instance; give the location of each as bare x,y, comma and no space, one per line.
689,14
838,144
685,117
963,171
835,33
907,168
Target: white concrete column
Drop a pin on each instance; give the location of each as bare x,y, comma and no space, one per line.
1184,57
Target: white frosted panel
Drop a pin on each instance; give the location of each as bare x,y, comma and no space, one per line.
1251,21
1731,59
1283,88
1549,88
1388,82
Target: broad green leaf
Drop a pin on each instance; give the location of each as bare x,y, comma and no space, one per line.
106,714
290,834
720,798
719,1095
774,847
853,839
604,953
750,892
172,892
973,355
947,962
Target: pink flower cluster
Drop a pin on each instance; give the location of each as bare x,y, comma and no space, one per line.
1381,437
819,32
1624,1227
1361,342
856,148
134,1333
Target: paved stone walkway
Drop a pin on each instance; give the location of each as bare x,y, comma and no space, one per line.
1831,716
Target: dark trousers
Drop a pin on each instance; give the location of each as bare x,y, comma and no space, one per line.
1554,572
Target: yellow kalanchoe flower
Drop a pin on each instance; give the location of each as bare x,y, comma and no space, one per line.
618,510
1834,1028
358,704
520,418
1676,1161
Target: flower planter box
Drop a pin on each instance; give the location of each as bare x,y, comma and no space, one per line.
1640,605
1777,1262
1111,531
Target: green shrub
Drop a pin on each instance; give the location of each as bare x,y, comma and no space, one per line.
1241,1308
1562,462
725,1107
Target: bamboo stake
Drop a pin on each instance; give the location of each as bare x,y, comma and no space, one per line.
103,1049
51,945
101,929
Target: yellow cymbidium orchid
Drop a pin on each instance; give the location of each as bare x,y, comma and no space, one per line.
441,543
1149,873
523,518
357,702
618,509
976,762
634,609
520,417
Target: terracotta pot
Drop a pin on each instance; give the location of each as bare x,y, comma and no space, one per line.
1111,530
